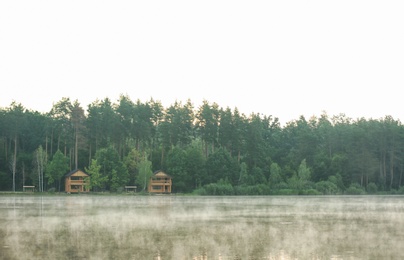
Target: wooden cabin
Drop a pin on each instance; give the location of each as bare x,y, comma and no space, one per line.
160,182
77,181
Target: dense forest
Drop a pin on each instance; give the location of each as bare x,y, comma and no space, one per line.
206,150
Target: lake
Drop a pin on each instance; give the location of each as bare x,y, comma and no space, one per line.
181,227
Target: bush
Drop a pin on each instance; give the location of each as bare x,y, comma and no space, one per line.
393,192
219,189
281,186
310,192
259,189
371,188
326,187
286,192
242,190
120,190
200,191
355,189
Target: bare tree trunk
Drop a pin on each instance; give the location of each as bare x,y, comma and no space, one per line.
89,155
58,143
14,161
39,171
51,144
391,168
23,174
76,151
40,161
46,147
383,169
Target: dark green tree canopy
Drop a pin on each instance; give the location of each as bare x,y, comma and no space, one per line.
205,148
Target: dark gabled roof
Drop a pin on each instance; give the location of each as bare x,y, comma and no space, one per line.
73,172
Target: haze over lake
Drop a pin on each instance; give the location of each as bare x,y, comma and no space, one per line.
176,227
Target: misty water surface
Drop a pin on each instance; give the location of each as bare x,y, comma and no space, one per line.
173,227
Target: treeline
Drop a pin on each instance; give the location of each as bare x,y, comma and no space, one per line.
207,150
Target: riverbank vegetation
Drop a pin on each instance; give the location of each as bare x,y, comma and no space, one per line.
208,150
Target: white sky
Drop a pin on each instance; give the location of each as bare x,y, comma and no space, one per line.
281,58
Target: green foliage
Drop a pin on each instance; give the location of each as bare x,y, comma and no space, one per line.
244,177
112,168
132,161
202,146
220,165
222,187
5,181
258,176
304,172
286,192
275,177
96,179
195,165
301,181
39,163
326,187
371,188
310,192
176,166
56,168
200,191
258,189
145,172
355,189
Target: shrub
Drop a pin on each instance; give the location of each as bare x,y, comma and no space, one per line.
200,191
286,192
355,189
326,187
220,188
120,190
371,188
310,192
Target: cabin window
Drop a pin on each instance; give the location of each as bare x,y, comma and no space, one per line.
156,187
75,178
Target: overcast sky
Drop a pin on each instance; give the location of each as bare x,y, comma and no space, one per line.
279,58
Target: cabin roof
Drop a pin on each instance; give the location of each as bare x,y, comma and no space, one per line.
73,172
161,173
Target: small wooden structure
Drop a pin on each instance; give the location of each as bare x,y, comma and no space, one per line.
28,188
160,182
77,181
130,188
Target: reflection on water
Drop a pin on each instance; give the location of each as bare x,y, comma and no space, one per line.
170,227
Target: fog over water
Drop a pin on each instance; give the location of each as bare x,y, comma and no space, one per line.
176,227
